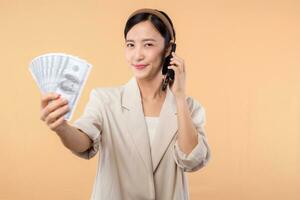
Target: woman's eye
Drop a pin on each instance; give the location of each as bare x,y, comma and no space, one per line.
129,45
149,44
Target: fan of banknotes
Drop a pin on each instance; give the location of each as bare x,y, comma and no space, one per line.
61,73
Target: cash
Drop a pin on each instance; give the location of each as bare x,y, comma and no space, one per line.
61,73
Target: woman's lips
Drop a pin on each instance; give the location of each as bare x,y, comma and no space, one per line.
140,66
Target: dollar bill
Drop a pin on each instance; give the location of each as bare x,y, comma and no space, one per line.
63,74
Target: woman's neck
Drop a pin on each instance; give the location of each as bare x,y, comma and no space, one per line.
151,88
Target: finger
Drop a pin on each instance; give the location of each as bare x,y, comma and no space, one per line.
55,124
181,60
48,97
177,64
52,117
55,104
177,57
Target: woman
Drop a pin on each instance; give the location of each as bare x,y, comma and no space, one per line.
147,137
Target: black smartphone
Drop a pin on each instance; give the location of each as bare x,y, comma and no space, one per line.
168,72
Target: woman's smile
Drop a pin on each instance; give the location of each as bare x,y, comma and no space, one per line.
140,66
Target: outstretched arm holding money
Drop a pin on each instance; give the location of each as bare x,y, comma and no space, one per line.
53,109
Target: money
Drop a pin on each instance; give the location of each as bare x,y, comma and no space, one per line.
61,73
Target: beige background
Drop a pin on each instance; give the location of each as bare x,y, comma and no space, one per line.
243,65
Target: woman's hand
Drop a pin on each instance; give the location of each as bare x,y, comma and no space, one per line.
53,109
178,85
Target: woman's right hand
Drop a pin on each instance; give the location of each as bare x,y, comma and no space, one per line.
53,109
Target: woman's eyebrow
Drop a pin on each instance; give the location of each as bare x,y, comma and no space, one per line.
143,40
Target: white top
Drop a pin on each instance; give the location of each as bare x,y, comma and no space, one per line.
151,125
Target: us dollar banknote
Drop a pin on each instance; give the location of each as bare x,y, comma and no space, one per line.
63,74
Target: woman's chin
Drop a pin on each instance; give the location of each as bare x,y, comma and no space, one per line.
141,76
147,76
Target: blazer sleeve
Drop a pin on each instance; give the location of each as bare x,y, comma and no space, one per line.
201,153
91,123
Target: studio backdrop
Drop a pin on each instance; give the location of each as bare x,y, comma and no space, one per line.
243,65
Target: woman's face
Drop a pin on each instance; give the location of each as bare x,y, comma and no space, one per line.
144,50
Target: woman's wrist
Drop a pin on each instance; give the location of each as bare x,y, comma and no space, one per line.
180,98
61,129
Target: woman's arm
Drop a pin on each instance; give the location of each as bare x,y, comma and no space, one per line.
53,109
74,139
187,133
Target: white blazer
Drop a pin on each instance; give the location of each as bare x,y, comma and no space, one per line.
128,168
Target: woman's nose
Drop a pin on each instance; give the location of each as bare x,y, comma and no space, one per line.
138,54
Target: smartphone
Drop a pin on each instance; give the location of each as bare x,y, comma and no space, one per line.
168,72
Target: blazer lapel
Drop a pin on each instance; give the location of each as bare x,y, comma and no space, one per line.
166,128
137,128
135,121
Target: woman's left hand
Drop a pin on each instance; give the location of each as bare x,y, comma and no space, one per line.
178,85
